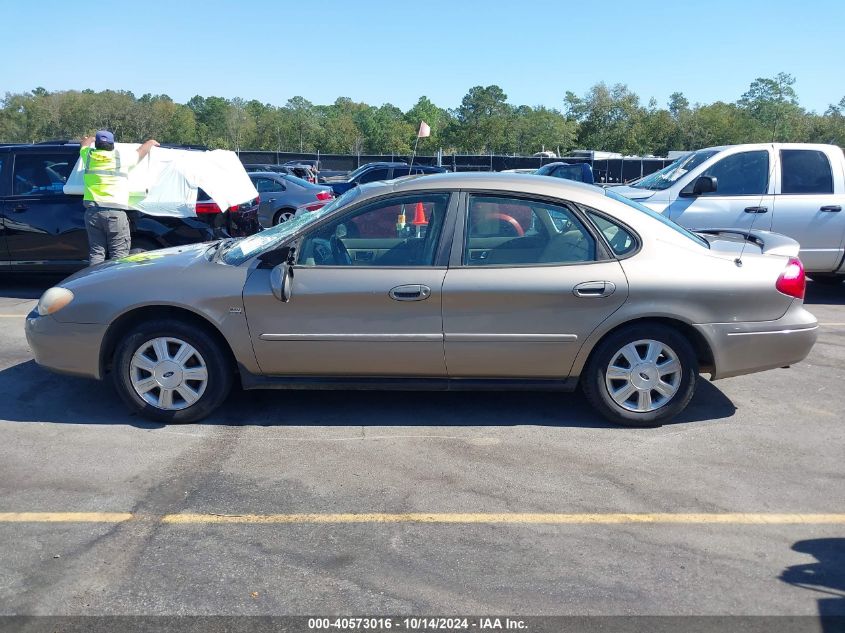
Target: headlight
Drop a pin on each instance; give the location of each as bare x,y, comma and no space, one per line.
54,300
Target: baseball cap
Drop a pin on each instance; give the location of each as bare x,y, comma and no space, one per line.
104,136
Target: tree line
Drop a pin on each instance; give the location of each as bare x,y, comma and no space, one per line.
611,118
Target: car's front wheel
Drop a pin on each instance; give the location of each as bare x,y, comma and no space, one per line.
171,371
641,375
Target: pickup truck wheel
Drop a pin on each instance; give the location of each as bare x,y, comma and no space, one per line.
170,371
827,279
283,215
642,375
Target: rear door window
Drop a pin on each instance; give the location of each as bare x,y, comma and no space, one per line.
41,174
263,185
805,171
504,231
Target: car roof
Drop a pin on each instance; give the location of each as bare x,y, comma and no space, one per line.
38,147
492,181
266,174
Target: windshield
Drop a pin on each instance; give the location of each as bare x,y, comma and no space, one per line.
301,182
667,176
546,169
241,250
353,175
660,218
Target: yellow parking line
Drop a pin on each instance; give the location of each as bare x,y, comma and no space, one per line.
518,518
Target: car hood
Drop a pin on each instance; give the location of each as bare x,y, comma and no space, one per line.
162,262
633,192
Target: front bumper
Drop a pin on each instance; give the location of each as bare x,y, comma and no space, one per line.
745,348
66,348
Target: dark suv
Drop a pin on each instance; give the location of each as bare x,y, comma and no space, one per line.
43,228
372,172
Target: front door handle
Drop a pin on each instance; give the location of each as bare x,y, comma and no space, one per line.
20,208
831,208
756,209
410,292
594,289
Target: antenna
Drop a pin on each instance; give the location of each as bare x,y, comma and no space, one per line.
738,260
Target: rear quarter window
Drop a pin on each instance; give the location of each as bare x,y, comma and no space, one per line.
620,239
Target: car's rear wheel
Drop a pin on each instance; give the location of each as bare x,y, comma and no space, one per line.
641,375
172,372
283,215
827,279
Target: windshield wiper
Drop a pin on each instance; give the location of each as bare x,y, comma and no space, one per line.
222,247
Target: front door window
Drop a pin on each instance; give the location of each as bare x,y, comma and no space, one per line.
399,232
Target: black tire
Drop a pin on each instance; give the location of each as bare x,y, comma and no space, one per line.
595,388
217,365
280,216
827,279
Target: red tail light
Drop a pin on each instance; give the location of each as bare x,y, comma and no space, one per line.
324,195
207,208
314,206
791,281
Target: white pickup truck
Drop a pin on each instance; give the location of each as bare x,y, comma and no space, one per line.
797,189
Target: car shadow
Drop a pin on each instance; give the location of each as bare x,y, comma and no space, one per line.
821,294
825,576
42,396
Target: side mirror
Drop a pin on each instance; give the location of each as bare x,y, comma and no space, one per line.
702,184
281,278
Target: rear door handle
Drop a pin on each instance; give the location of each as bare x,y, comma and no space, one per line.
410,292
20,208
756,209
594,289
831,208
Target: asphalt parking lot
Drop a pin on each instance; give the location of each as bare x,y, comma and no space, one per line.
542,508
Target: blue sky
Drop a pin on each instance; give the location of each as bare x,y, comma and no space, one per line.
395,51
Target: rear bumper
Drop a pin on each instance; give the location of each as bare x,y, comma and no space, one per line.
745,348
66,348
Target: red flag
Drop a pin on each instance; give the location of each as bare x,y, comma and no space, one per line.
425,131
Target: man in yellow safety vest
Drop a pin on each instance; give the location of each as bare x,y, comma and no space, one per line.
106,198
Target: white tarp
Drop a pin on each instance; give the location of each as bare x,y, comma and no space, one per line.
166,181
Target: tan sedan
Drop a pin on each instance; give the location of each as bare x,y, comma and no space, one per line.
453,281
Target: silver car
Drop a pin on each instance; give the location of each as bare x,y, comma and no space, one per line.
453,281
282,194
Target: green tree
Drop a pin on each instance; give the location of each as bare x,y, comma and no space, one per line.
610,118
482,120
536,129
773,104
437,119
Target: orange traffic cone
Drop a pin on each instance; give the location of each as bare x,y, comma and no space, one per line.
419,215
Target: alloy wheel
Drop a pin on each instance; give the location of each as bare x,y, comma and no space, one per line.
643,376
168,373
284,216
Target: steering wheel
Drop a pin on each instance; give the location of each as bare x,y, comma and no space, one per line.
509,220
340,252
